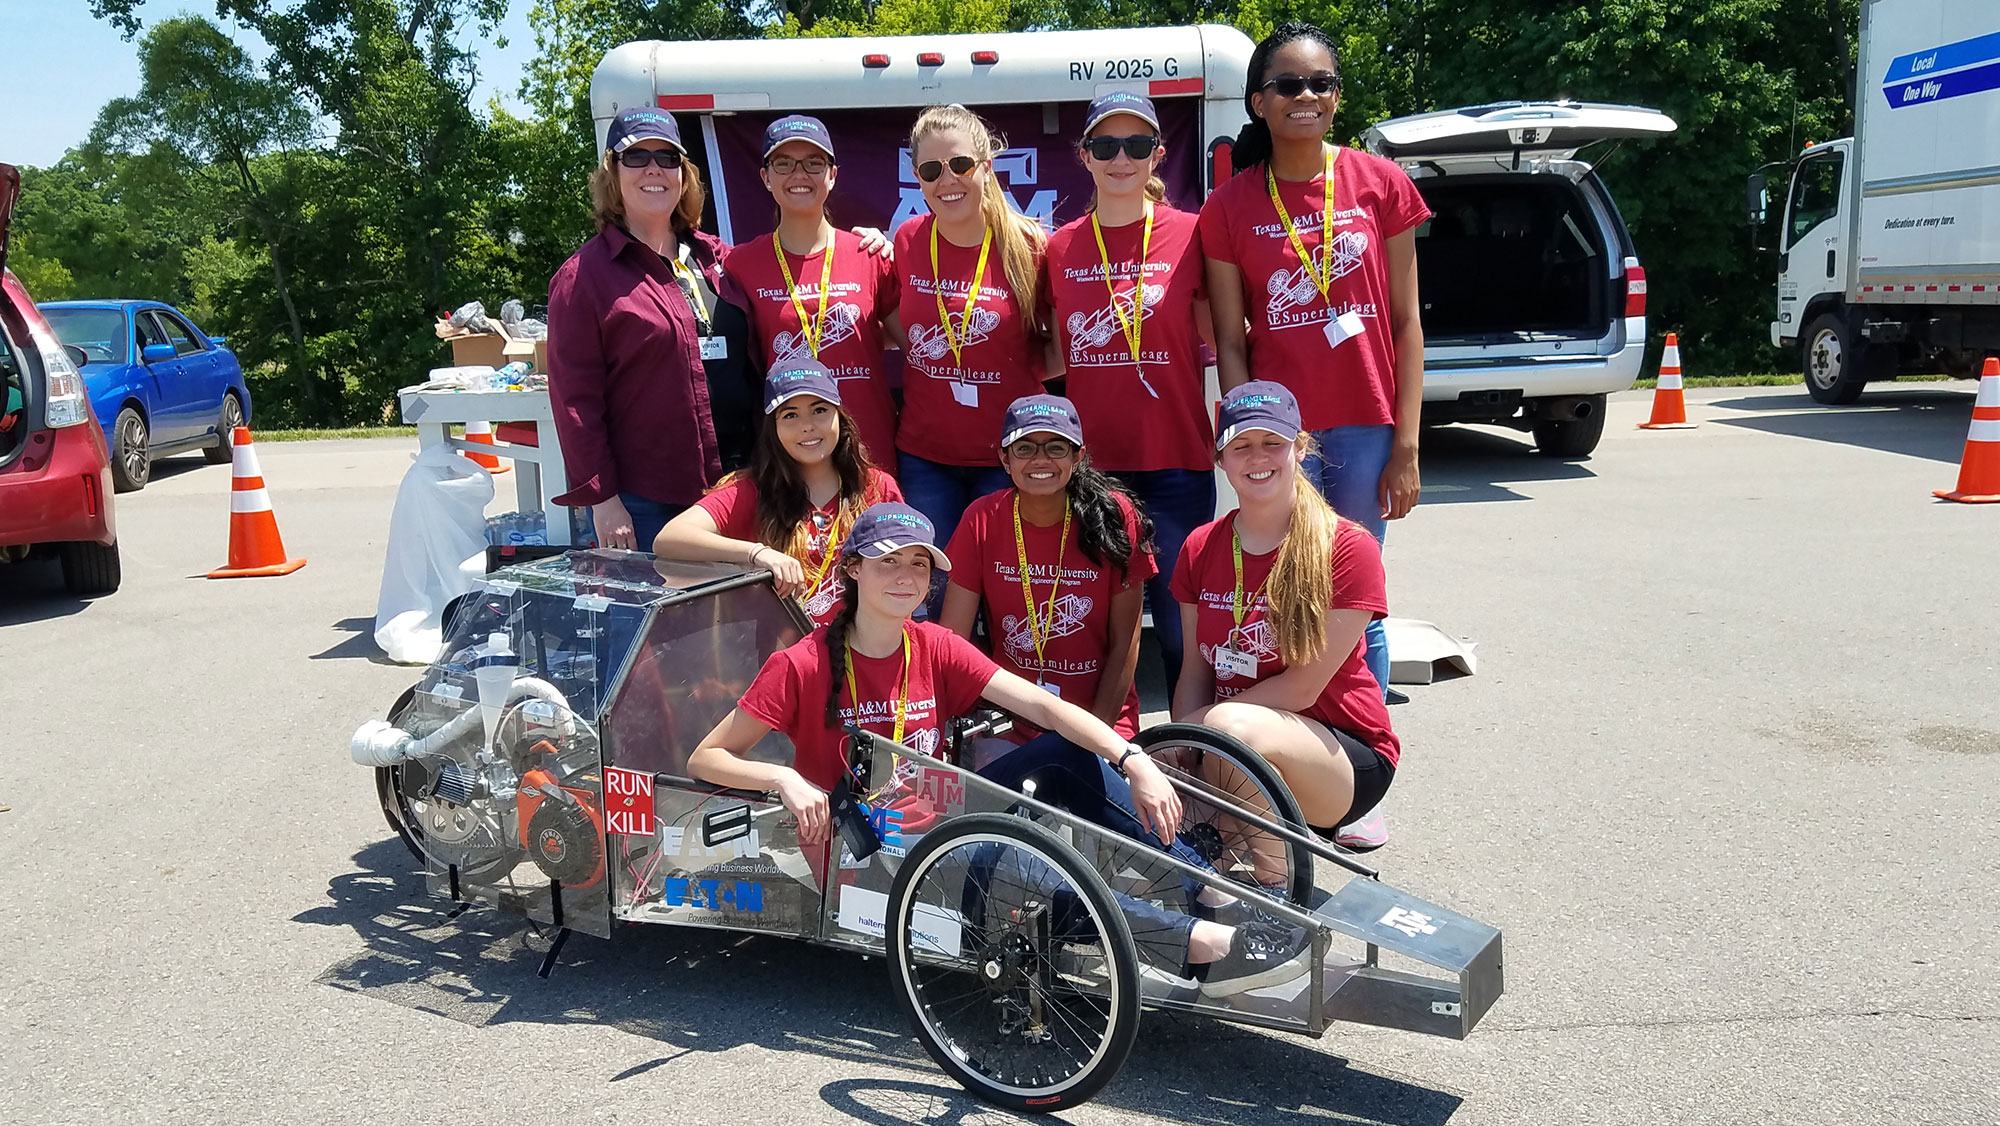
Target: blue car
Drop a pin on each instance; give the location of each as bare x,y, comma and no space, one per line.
158,384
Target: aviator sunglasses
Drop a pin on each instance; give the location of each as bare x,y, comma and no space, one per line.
639,158
1291,85
1106,148
930,170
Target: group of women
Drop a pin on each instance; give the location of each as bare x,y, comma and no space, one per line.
1065,514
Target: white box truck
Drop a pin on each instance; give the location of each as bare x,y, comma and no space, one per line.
1890,244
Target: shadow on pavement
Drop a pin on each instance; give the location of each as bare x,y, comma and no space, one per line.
1464,466
33,592
1928,423
361,645
711,991
178,464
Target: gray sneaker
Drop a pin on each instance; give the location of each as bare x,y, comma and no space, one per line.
1265,952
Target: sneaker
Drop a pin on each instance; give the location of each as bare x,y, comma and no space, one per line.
1265,952
1240,910
1364,833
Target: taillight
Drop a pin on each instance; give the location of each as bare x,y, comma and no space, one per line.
930,58
874,62
1635,291
985,58
66,403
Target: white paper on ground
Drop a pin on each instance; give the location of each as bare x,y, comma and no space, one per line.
1418,649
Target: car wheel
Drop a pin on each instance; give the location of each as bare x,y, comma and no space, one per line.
225,431
1837,365
131,461
1572,438
90,568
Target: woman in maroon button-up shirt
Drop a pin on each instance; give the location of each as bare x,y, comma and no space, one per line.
645,428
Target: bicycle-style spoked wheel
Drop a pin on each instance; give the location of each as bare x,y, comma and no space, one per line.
1236,775
1014,963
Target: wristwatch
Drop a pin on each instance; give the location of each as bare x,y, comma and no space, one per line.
1130,750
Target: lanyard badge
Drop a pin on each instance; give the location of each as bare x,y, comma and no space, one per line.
902,704
1040,628
1234,658
814,328
1132,325
951,336
1321,273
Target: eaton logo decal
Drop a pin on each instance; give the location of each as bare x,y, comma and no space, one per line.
714,895
1969,66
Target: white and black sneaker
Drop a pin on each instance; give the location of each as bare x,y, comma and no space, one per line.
1265,952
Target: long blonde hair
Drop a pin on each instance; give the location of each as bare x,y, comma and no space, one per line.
1019,238
607,203
1300,587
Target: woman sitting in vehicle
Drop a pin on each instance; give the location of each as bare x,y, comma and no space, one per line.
809,478
1060,563
1276,595
875,667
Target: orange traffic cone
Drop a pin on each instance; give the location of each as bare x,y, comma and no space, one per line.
254,546
1979,469
482,432
1670,410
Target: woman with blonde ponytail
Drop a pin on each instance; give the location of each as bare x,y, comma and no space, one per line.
970,279
1276,596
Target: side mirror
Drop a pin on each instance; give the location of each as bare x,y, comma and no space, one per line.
1758,198
156,353
76,355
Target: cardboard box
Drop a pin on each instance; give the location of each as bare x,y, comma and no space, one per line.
498,349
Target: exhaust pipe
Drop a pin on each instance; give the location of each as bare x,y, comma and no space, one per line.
1572,409
378,743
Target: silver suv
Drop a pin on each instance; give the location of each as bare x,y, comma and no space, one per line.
1534,303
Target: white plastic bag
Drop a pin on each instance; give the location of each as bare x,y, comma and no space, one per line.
439,520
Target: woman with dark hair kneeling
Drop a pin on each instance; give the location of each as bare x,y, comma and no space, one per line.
875,667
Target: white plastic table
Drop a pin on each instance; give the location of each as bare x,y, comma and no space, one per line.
539,473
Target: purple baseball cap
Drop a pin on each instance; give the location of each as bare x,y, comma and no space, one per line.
1041,414
1257,405
1120,101
797,127
885,528
642,123
802,377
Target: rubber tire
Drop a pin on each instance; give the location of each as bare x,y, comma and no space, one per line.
388,787
1299,884
90,568
1121,955
225,428
1846,369
130,427
1571,440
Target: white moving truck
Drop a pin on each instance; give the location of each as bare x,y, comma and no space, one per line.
1890,247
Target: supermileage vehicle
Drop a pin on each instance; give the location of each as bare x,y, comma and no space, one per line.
539,768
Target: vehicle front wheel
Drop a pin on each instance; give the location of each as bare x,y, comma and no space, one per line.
225,431
90,568
131,461
1572,438
1838,364
1223,765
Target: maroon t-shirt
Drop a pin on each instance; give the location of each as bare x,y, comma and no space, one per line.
733,507
986,559
1205,577
1352,383
1145,415
946,678
862,291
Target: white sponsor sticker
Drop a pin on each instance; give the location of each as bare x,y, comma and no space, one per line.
935,930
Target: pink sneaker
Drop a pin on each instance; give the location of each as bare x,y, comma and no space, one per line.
1364,833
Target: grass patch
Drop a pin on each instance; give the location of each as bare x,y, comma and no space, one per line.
336,432
1768,379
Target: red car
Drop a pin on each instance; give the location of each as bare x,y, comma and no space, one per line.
55,473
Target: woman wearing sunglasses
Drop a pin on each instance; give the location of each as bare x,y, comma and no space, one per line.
1059,564
969,275
808,481
648,342
1316,245
817,294
1126,285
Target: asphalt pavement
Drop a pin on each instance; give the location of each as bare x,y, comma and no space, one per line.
1725,779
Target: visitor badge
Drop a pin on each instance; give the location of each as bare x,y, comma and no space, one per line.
966,394
714,347
1343,327
1235,662
1050,687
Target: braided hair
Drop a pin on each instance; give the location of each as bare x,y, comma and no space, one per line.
837,656
1253,144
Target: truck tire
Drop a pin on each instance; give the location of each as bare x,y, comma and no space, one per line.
1837,363
1573,439
90,568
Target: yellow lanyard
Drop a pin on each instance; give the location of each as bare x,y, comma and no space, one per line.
812,329
834,536
691,289
1322,278
1134,323
902,705
1039,629
955,339
1236,607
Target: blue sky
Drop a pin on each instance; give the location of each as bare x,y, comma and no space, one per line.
62,66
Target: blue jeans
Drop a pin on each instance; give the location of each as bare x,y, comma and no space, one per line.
1347,466
648,517
1066,775
943,493
1179,501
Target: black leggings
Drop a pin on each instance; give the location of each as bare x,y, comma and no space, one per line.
1372,775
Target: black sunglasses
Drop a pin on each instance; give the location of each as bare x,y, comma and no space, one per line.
639,158
1106,148
1291,85
930,170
